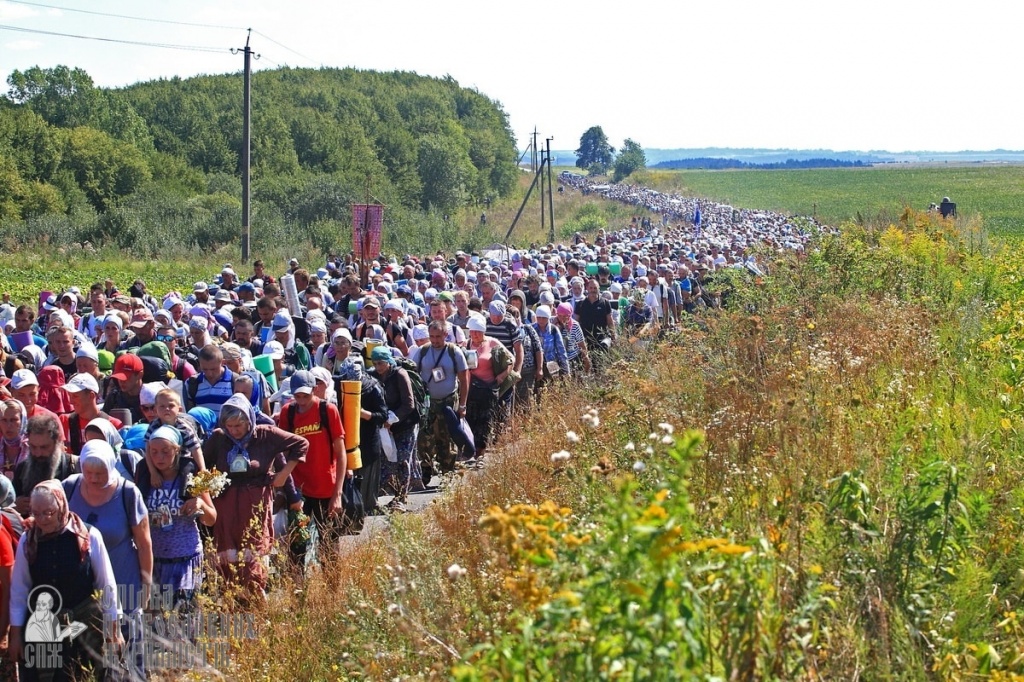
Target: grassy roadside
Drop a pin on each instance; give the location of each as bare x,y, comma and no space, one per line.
847,506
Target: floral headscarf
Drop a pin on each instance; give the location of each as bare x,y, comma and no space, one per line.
68,519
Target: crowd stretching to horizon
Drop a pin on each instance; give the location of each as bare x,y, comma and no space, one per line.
112,401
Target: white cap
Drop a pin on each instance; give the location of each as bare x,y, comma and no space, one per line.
23,378
147,396
274,349
82,382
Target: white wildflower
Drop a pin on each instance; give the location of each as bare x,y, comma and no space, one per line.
666,427
667,439
560,456
630,446
638,467
455,571
572,437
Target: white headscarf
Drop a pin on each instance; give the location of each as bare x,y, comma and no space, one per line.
100,451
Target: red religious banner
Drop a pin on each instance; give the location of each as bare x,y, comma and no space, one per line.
367,220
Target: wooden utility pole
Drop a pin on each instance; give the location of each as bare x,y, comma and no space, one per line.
246,143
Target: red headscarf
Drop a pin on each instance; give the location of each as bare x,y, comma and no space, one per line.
68,521
51,394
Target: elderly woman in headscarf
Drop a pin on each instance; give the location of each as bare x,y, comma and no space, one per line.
175,514
11,520
115,507
257,459
14,446
404,475
68,561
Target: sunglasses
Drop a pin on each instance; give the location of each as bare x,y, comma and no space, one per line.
166,338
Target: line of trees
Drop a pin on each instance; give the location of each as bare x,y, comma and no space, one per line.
710,163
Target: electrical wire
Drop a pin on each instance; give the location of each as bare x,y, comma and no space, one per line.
169,46
311,61
125,16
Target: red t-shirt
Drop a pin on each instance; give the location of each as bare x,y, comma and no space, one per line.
317,476
6,547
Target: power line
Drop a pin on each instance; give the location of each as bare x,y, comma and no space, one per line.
311,61
169,46
125,16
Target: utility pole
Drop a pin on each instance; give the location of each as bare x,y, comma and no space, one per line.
246,142
542,162
551,203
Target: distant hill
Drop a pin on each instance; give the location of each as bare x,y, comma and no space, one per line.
726,164
759,156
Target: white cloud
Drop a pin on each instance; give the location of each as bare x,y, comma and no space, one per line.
10,11
22,45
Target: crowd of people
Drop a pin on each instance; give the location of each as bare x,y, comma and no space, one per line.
113,404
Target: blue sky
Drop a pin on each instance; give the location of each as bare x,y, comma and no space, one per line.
895,75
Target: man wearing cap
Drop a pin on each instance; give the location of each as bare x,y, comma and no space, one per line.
246,294
227,279
61,347
201,292
83,391
370,327
321,476
24,388
127,385
144,327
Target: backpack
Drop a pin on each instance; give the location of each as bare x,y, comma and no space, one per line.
154,369
420,397
325,423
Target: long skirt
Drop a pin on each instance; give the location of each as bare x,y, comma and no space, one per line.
405,475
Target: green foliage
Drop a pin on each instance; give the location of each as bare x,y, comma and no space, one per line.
104,168
594,153
631,158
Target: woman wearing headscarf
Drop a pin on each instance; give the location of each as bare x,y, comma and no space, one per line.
52,395
552,343
572,334
257,459
59,551
32,357
340,353
177,547
110,338
14,446
126,459
404,475
115,507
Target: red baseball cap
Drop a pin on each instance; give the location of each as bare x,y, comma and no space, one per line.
126,364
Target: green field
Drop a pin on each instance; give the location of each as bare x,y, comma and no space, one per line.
996,193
